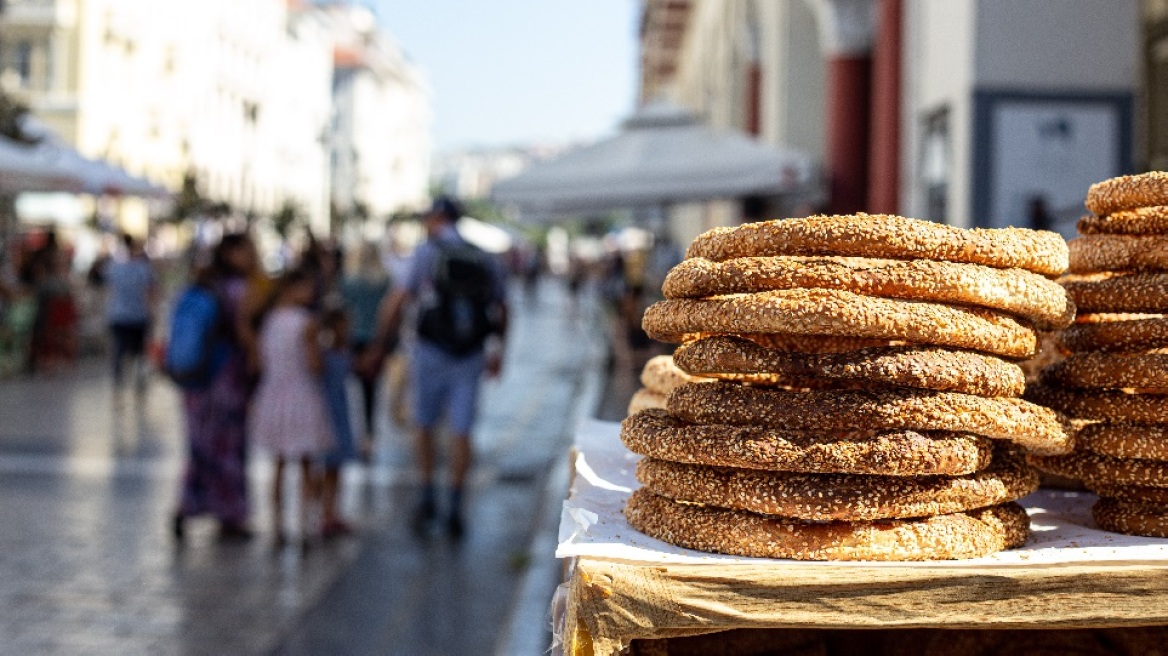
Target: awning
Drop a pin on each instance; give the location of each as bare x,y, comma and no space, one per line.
662,155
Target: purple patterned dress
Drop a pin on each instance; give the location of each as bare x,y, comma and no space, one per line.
215,480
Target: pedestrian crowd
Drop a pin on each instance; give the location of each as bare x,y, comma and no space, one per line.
271,361
280,355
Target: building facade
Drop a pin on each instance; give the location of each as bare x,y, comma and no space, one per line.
253,97
973,112
380,133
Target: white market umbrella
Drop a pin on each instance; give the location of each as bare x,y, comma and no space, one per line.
96,177
663,155
26,168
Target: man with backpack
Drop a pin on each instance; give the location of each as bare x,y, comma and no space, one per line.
460,296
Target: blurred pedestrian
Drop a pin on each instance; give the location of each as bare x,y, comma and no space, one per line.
130,300
337,367
362,293
532,268
577,274
461,324
54,339
289,417
215,478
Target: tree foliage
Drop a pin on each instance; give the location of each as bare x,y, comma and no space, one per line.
289,216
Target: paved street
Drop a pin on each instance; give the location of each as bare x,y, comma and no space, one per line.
87,564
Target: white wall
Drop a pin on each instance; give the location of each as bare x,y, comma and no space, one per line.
1069,44
805,73
937,73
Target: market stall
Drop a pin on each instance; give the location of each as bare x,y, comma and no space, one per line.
624,586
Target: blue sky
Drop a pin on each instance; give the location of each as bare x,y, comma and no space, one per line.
507,72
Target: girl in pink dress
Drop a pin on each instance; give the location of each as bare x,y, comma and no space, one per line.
289,416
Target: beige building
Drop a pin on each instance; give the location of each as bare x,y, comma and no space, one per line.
244,94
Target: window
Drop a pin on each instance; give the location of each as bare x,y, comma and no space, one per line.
22,61
935,165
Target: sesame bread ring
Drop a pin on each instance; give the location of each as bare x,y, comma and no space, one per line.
1131,518
656,434
1140,221
662,376
837,497
1014,291
841,313
924,367
1109,371
1094,469
1033,427
1095,253
790,343
1103,405
1141,442
645,399
1137,292
1136,493
1127,192
883,235
1115,332
739,533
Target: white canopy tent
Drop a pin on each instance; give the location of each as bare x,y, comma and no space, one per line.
91,176
663,155
98,177
26,168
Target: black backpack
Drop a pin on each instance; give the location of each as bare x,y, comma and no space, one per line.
463,312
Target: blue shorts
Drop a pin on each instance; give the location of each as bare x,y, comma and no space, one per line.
444,382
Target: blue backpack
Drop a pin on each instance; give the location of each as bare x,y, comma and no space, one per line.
197,348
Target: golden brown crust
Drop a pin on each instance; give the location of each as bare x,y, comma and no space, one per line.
1037,429
923,367
1115,332
1128,192
645,399
1139,221
960,535
1095,470
886,236
1095,253
1136,493
661,375
1141,442
1109,371
657,434
790,343
1137,292
1131,518
842,313
1014,291
837,497
1103,405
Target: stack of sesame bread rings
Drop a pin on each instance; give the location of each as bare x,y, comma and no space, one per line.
867,403
1115,379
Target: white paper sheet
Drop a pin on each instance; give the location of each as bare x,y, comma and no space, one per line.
593,525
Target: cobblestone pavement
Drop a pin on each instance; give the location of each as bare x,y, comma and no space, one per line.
88,478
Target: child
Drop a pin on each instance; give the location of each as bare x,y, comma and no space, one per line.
337,366
289,415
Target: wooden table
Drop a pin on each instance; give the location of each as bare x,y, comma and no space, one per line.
611,603
622,587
